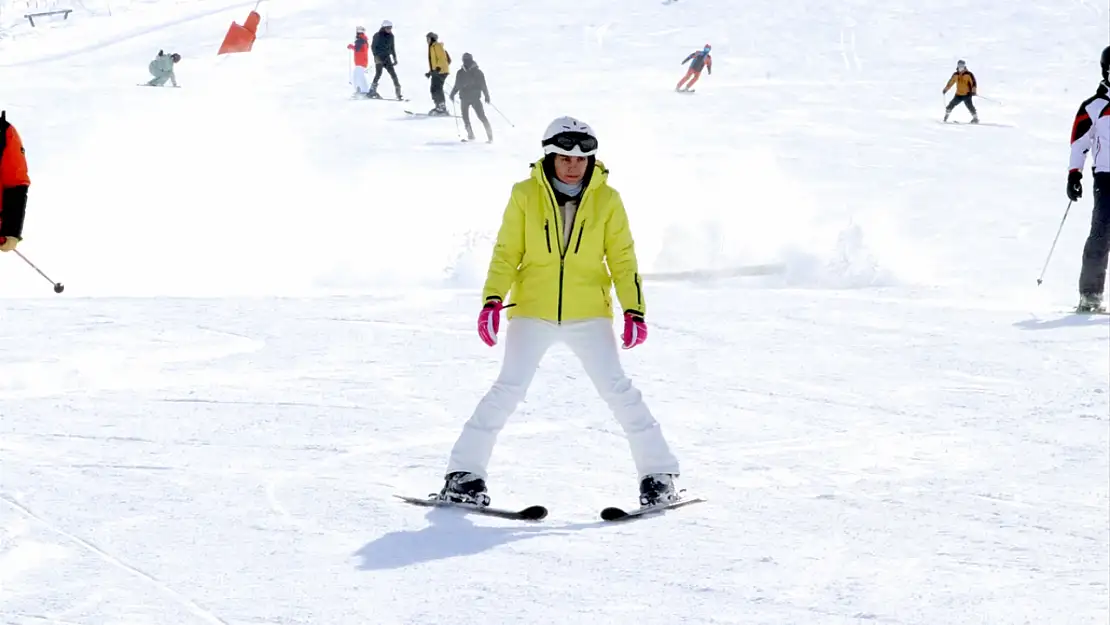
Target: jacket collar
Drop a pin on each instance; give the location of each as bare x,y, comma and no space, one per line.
600,174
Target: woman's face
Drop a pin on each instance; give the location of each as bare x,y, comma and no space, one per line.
570,169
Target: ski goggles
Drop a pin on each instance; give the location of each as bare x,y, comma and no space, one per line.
571,144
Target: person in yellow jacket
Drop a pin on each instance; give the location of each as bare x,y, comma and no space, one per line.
966,88
564,230
439,68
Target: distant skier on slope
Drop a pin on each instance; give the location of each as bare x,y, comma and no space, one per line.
470,84
560,267
14,183
700,59
966,88
385,57
439,68
361,48
162,69
1091,128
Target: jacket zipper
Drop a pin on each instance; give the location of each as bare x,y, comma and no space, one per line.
547,234
562,252
639,294
579,242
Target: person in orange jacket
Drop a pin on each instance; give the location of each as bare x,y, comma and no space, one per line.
14,183
966,87
361,48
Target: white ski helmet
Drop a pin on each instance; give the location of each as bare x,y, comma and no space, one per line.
387,24
570,137
360,29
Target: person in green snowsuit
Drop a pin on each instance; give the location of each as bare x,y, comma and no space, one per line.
162,69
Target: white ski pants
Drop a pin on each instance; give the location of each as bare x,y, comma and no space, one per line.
358,79
594,343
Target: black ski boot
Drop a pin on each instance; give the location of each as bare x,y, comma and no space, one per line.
1090,302
463,487
657,488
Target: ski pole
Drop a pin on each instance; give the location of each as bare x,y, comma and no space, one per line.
501,114
58,288
1053,248
458,133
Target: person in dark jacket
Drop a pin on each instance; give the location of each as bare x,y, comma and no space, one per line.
385,57
698,60
470,85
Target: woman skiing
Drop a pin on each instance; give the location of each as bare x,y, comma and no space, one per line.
563,226
699,59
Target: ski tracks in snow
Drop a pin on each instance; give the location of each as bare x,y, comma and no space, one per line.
197,610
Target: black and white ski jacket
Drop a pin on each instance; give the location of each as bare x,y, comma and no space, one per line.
1090,132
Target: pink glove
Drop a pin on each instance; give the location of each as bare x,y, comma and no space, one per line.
489,321
635,330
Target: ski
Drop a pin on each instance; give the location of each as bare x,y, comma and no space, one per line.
613,513
1097,311
427,115
991,124
530,513
363,97
685,90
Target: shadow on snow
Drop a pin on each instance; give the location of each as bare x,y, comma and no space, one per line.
452,534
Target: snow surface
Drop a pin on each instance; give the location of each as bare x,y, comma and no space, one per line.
268,322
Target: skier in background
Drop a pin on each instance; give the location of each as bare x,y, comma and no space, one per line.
554,262
385,57
162,69
698,60
1091,128
361,48
439,68
470,84
966,88
14,183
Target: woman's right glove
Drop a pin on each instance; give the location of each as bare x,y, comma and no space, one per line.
489,321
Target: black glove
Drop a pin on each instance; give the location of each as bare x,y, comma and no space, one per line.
487,100
428,75
1075,188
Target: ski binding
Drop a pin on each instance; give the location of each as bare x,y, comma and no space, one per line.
530,513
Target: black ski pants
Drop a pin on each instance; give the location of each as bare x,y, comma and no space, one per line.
1096,252
378,67
966,99
437,89
480,111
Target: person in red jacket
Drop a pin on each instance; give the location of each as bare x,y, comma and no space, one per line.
14,183
361,48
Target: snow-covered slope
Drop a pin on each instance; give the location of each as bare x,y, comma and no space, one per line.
268,322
